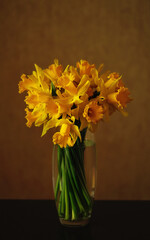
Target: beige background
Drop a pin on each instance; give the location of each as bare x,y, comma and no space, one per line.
113,32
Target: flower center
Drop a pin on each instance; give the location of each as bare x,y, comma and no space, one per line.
90,112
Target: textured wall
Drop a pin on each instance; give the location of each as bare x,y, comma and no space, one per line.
116,33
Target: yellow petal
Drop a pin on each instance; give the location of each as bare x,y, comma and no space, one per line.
49,124
60,139
41,119
112,82
30,118
53,72
52,108
84,88
38,115
26,84
84,123
71,139
65,129
75,129
84,67
32,100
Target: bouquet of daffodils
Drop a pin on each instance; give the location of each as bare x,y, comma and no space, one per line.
72,100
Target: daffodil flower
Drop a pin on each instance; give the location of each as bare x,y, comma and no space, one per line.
120,98
85,67
53,72
68,133
81,90
38,115
93,112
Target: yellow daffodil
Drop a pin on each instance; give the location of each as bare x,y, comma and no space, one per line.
119,98
94,77
27,83
114,81
85,67
38,115
53,72
34,98
36,82
93,112
66,82
82,89
75,73
75,95
68,133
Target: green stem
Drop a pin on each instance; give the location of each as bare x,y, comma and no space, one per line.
73,209
67,152
71,178
59,161
63,189
57,187
66,192
71,192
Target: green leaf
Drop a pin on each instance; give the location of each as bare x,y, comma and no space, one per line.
53,89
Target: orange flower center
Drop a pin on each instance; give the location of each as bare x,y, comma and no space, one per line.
93,112
90,112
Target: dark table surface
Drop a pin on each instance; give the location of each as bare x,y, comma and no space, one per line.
37,219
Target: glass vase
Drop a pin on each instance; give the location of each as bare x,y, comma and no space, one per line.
74,180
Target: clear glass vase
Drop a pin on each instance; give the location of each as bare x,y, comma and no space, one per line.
74,180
